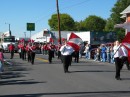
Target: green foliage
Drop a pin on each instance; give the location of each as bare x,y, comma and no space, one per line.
109,25
94,23
117,9
66,22
80,26
115,18
53,22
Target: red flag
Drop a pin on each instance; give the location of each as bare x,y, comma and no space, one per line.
126,43
74,41
127,38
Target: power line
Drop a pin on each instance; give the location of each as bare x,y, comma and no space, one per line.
67,7
80,3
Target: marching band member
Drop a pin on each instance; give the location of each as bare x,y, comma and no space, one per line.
11,49
19,49
51,50
23,51
28,52
58,50
66,52
117,59
33,51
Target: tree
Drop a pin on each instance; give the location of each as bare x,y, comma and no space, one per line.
94,23
117,9
109,25
119,6
66,22
79,26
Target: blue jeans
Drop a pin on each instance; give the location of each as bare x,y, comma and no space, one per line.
104,57
112,58
87,55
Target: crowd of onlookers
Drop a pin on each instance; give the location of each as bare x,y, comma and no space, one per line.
100,53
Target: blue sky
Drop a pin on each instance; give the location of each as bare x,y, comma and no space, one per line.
18,12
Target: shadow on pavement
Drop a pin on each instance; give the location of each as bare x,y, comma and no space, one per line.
19,82
81,94
8,75
14,71
86,65
92,71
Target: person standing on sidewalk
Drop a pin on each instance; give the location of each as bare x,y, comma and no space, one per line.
66,52
87,51
11,49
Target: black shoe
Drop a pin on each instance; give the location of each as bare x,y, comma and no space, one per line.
65,71
68,72
118,78
128,68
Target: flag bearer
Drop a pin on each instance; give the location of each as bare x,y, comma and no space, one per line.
117,59
66,53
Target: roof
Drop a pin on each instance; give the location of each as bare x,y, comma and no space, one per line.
127,10
123,16
63,34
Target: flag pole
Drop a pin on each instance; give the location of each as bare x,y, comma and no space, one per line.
117,50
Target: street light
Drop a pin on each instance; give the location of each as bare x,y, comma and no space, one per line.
9,28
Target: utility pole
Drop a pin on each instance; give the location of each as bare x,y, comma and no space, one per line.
25,34
9,28
58,16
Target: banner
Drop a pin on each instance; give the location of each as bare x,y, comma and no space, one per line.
126,43
74,41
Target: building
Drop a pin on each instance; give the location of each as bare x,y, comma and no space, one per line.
90,37
42,37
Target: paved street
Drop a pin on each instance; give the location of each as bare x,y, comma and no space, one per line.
86,79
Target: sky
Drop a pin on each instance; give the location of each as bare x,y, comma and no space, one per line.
18,13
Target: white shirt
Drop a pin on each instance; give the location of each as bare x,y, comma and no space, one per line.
66,50
116,51
86,49
123,51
